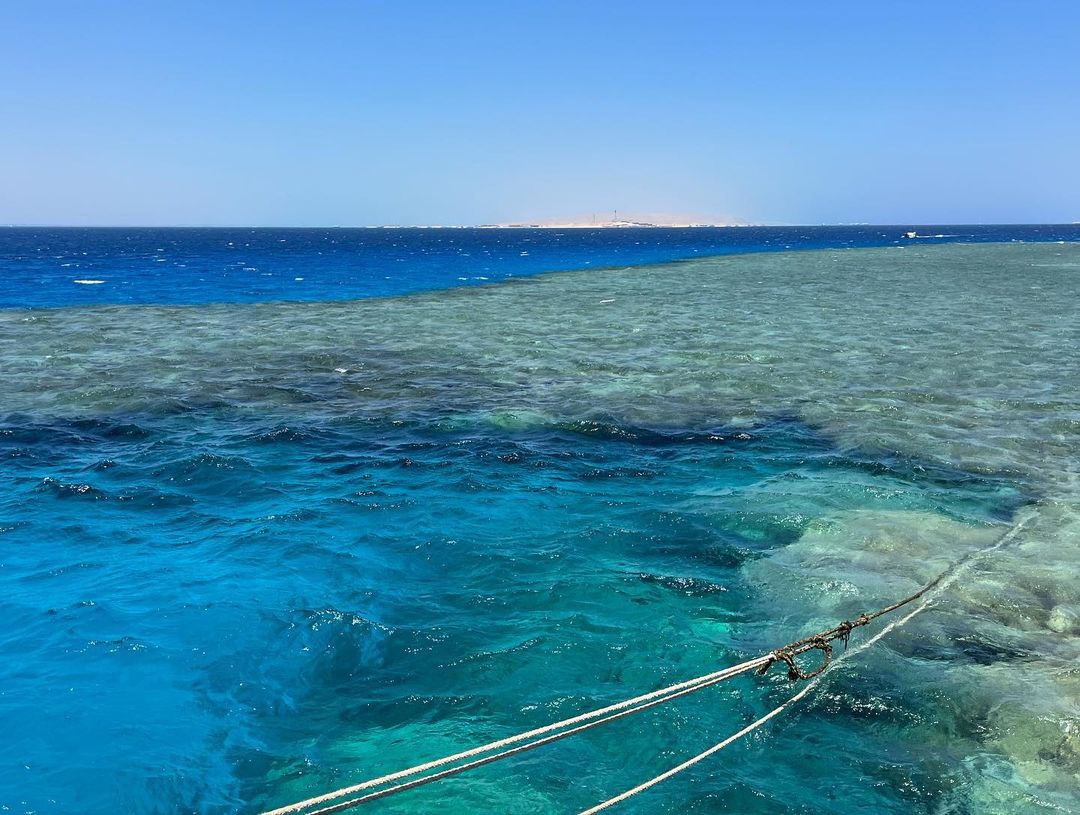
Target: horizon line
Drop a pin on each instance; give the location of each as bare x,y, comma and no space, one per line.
538,226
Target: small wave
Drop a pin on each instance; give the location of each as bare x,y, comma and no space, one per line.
110,429
688,586
115,646
82,282
206,468
619,472
62,489
281,434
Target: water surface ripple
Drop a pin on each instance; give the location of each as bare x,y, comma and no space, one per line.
43,266
252,552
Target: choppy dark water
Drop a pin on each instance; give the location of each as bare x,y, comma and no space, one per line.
78,266
249,553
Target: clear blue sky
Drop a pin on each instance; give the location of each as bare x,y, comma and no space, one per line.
314,113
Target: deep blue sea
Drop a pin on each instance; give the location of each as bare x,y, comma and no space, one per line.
266,531
43,267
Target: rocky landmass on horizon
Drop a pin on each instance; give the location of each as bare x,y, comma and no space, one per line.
615,222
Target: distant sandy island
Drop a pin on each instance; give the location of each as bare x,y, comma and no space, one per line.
616,222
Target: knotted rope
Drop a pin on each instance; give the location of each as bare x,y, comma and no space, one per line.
340,800
842,631
750,728
578,723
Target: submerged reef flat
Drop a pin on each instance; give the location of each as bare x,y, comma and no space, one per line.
255,552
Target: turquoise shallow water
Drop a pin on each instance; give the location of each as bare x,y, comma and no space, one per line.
254,552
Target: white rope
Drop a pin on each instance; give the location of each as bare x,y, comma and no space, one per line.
594,718
352,802
961,568
664,776
601,714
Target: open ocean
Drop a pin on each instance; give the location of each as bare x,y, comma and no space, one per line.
285,509
43,267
